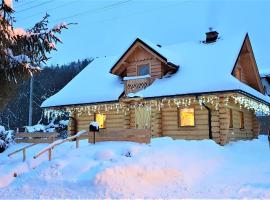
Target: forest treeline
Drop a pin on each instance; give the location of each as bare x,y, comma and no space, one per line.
45,84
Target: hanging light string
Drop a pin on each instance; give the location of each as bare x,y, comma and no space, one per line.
213,100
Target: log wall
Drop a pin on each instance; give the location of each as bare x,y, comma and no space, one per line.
171,128
251,125
165,122
114,120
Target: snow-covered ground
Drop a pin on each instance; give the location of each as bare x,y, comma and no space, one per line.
165,168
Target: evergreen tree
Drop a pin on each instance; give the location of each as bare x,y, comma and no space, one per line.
22,51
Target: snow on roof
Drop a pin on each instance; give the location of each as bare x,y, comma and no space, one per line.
265,72
203,68
92,84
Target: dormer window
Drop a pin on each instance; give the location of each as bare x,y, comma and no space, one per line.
143,70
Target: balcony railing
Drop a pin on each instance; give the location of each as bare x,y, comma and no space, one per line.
136,83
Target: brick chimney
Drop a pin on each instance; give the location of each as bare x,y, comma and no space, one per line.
211,36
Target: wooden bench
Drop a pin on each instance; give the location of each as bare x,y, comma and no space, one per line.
39,137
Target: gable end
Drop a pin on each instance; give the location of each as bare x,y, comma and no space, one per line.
246,69
119,69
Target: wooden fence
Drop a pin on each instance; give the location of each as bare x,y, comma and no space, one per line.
23,150
39,137
132,135
51,146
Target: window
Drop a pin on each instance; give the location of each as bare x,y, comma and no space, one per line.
231,118
101,120
238,73
242,122
143,70
186,117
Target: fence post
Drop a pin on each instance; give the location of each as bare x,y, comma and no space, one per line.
50,154
24,154
77,143
89,140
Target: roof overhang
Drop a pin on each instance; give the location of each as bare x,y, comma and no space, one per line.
166,96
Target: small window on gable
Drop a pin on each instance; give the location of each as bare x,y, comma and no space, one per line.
186,117
238,73
241,120
143,70
101,120
231,118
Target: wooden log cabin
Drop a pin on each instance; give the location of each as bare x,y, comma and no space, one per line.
209,89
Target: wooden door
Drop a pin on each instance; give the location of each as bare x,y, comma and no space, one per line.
143,118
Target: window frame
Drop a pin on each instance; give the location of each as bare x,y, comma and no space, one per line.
95,118
179,117
242,120
143,65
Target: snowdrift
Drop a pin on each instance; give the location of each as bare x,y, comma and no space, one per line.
165,168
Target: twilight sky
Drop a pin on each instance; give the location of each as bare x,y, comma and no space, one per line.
106,27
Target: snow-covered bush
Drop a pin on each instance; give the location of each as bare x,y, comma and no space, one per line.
62,129
6,138
59,127
35,128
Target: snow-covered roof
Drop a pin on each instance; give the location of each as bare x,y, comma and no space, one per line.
264,73
93,84
203,68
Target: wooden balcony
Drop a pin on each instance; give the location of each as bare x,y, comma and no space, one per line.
137,83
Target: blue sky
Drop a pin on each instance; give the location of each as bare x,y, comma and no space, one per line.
107,27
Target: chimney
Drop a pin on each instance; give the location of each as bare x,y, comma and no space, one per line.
211,36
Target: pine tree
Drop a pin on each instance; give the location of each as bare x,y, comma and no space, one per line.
22,52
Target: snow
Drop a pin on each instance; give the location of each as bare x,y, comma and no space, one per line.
2,129
131,95
202,68
9,3
52,45
265,72
92,84
64,122
94,124
266,84
136,77
2,143
35,128
20,32
165,168
58,27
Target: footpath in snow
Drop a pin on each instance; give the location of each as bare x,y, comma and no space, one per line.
165,168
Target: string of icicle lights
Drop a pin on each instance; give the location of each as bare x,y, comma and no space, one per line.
214,101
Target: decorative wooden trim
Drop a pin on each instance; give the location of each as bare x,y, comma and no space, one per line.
135,85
